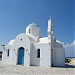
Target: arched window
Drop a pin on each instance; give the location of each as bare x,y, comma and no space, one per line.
0,55
8,52
38,53
29,30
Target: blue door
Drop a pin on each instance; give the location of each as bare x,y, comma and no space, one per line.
21,56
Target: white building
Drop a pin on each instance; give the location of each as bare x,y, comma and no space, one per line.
1,51
29,49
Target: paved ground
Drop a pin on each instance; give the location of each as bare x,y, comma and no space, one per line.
21,70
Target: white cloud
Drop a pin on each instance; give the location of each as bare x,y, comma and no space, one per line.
70,49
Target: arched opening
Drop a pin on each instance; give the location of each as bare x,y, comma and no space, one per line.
0,55
52,57
38,53
20,56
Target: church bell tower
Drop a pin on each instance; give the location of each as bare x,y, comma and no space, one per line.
50,30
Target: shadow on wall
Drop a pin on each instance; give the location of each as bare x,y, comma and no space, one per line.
35,61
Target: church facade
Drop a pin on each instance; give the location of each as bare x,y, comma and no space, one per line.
29,49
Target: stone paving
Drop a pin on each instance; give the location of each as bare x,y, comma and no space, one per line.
6,69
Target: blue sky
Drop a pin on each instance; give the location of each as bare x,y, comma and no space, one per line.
15,15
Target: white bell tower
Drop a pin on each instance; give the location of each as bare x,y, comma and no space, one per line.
50,30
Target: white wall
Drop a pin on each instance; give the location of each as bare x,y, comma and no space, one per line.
45,55
5,58
13,56
25,43
58,56
34,60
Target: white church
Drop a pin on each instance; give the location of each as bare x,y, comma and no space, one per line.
29,49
